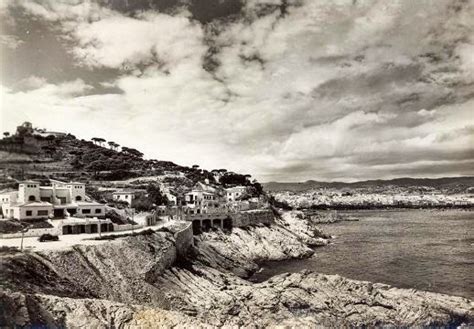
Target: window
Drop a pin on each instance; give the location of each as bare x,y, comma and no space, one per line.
78,198
126,197
98,211
86,211
29,213
42,213
31,198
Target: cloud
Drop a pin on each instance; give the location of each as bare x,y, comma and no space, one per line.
286,90
153,39
10,41
64,11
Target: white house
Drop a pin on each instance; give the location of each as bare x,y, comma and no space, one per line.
203,199
234,193
125,196
59,200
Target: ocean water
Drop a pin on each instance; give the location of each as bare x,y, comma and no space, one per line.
429,250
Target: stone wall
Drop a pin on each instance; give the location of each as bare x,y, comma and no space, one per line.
184,240
252,217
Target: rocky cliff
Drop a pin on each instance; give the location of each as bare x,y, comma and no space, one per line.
140,281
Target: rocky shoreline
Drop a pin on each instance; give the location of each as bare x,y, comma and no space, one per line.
142,282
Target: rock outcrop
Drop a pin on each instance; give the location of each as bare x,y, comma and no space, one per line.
61,312
309,299
239,252
206,297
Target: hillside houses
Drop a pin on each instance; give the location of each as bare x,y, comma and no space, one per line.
64,208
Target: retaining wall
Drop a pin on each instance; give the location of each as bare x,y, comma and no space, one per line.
126,227
252,217
33,232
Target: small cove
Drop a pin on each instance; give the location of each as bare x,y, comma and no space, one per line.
429,250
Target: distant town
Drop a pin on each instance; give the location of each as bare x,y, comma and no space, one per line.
366,198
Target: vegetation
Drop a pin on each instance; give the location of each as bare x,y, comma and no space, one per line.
11,226
9,250
153,199
64,157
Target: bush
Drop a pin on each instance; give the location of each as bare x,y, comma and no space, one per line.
143,204
8,250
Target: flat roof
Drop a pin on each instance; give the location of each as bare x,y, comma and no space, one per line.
51,187
33,204
85,203
79,220
66,183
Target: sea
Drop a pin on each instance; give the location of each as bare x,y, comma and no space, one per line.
430,250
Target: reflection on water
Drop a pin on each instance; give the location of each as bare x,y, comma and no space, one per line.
422,249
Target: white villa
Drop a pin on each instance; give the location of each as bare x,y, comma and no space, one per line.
60,200
203,199
233,193
125,196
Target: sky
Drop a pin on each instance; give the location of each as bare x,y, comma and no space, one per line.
284,90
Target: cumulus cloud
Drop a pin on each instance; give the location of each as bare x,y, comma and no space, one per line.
154,39
286,90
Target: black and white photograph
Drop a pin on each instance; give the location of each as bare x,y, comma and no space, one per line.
236,164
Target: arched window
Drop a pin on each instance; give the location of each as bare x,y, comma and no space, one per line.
31,198
78,198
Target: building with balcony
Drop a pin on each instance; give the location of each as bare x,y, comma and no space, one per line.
204,199
235,193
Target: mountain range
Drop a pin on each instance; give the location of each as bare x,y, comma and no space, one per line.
444,182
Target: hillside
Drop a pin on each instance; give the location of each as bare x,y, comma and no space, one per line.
32,153
460,183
